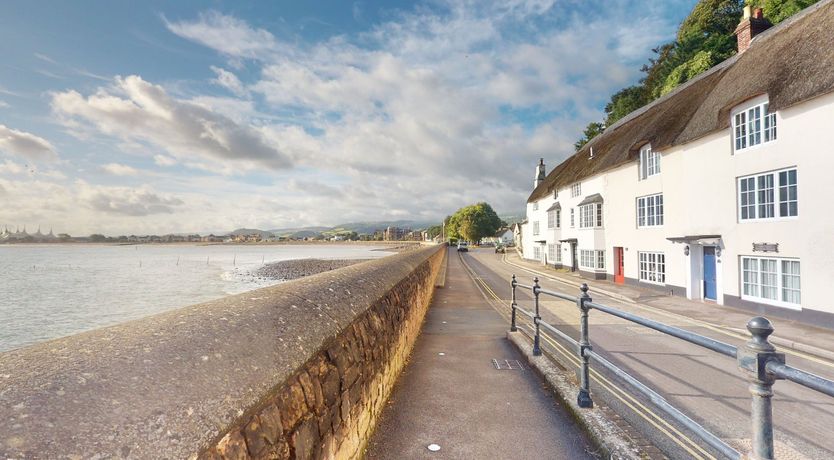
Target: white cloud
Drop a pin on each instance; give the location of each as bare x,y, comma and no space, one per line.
25,144
443,105
162,160
135,110
141,201
229,81
4,104
226,34
117,169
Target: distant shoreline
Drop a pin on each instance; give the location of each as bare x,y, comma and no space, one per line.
397,244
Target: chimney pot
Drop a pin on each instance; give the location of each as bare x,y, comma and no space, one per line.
750,26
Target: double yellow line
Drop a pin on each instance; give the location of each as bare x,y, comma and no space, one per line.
679,438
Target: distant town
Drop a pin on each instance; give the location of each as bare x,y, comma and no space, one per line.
390,233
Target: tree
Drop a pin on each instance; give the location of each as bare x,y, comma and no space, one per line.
473,222
778,10
623,103
434,230
591,131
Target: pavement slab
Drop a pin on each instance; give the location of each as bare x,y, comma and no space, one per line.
451,395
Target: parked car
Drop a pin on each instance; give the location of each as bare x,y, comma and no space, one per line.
463,246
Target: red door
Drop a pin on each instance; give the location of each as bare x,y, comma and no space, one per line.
619,273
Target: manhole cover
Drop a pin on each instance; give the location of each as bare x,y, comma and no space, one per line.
507,364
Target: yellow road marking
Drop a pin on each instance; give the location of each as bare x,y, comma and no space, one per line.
640,409
696,322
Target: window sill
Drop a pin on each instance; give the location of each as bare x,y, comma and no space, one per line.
773,303
768,219
654,283
755,147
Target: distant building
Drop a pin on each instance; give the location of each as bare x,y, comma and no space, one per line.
396,234
503,236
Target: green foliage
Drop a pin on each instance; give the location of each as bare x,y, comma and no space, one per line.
704,39
590,132
473,222
623,102
699,63
778,10
434,230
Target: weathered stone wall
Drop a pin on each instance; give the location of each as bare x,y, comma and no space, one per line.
329,407
301,369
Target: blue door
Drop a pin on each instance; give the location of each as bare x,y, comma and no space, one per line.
710,290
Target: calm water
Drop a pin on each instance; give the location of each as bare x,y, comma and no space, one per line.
49,291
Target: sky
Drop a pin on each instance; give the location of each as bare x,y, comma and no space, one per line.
123,117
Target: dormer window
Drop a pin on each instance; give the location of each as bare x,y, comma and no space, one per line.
649,162
535,206
754,125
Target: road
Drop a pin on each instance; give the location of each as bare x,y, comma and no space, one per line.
706,386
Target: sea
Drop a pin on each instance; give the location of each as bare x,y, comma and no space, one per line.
54,290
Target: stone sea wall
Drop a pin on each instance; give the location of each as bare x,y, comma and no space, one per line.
297,370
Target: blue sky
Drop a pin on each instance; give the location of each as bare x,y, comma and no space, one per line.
158,116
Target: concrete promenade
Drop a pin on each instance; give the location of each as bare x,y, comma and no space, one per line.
450,393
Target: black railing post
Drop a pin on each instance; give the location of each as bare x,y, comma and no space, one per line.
514,283
583,399
752,359
537,350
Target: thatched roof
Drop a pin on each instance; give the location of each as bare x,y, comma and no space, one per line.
791,62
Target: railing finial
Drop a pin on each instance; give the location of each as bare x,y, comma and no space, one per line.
760,329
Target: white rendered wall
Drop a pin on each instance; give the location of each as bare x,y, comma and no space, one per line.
698,181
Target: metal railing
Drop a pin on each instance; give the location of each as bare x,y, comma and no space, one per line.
758,360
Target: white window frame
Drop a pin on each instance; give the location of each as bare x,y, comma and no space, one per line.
593,259
551,253
771,191
651,267
558,253
535,206
576,190
650,211
537,252
753,126
572,220
751,280
649,162
551,219
590,215
536,228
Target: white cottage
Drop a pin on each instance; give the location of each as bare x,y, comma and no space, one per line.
717,191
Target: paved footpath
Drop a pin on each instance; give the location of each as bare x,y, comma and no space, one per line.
450,393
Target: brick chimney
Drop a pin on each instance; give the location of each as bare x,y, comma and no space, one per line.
751,24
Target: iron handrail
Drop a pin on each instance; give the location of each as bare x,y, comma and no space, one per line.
561,334
671,410
757,359
691,337
806,379
569,298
